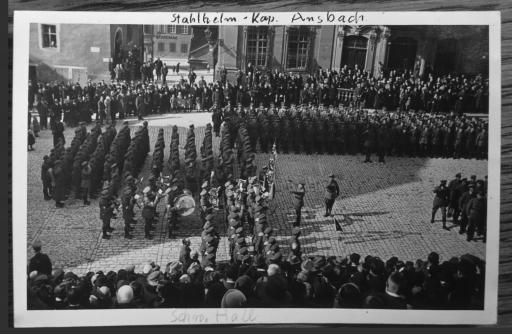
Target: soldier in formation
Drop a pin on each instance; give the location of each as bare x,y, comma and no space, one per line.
348,130
466,201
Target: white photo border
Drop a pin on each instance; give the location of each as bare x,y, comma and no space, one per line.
128,317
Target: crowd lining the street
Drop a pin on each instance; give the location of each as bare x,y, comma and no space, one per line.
307,282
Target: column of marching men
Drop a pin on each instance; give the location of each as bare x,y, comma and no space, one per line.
121,165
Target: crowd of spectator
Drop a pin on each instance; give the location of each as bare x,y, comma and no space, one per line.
392,90
309,282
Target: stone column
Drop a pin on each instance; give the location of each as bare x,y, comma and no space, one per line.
370,52
382,49
243,60
284,57
425,54
227,49
270,46
338,48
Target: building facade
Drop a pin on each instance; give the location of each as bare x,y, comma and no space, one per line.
79,52
171,43
304,49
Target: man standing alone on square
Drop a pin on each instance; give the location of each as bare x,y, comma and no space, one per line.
332,192
440,202
40,262
298,202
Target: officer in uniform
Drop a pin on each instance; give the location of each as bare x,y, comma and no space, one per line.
440,202
46,178
453,207
298,202
128,202
465,198
106,213
476,210
85,182
59,183
148,212
216,119
369,140
332,192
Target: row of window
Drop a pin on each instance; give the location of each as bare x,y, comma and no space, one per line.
48,36
258,47
172,47
167,29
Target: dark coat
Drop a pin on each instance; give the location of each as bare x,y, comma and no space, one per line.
442,196
298,198
41,263
332,190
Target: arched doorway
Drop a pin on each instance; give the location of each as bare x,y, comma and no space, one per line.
354,51
402,53
118,47
446,56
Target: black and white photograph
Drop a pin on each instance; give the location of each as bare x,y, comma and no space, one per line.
289,173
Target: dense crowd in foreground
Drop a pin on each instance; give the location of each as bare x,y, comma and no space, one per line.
310,282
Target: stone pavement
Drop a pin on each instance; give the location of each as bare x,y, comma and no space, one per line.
384,209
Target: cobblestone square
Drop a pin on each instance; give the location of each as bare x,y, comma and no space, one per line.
384,209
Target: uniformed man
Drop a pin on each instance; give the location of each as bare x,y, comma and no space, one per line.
58,183
369,141
216,119
148,212
467,193
454,189
128,202
85,181
476,211
298,202
184,256
106,213
331,193
46,178
440,202
172,212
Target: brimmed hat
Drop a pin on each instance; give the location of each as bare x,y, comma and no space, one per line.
294,260
154,278
307,265
318,263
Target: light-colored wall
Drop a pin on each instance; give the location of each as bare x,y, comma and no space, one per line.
74,42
